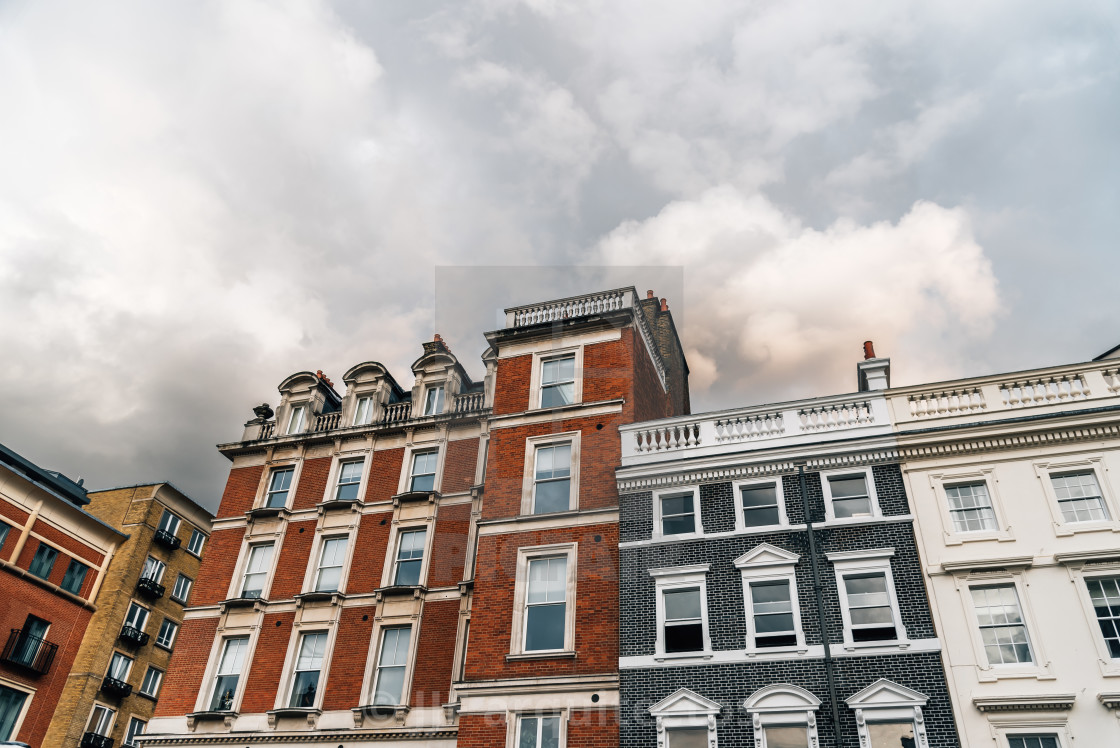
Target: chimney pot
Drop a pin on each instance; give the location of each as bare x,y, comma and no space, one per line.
437,338
649,294
664,305
868,350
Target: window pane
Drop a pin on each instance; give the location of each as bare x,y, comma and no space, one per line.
689,737
410,555
787,737
135,727
349,480
152,679
1001,625
100,720
5,528
842,508
167,631
168,522
1105,594
75,576
688,637
676,504
773,609
544,627
1033,741
182,588
363,413
971,507
679,525
680,604
119,666
391,665
195,544
761,516
137,616
554,461
760,505
558,370
848,486
433,403
424,471
43,562
547,580
891,734
278,486
295,422
552,496
11,704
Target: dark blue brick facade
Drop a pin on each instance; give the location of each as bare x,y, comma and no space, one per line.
730,684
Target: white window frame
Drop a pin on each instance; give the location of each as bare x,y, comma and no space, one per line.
658,526
1040,667
159,682
856,563
175,634
311,584
196,552
295,643
513,720
291,427
768,563
782,705
520,594
267,489
939,481
1046,469
1080,578
217,649
128,670
675,578
374,672
367,398
1012,724
390,580
885,701
872,495
410,452
147,614
160,565
237,587
176,522
529,478
132,720
25,708
441,398
539,357
340,462
737,498
190,585
114,711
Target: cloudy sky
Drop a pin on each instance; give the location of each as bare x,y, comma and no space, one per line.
199,198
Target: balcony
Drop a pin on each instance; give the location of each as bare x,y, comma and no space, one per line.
114,687
93,740
166,539
133,636
150,588
28,652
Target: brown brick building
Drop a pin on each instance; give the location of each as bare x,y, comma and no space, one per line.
54,557
429,565
119,672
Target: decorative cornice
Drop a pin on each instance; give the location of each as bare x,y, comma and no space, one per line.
1110,700
1047,702
270,738
1000,443
988,564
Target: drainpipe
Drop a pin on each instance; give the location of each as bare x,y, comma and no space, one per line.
830,676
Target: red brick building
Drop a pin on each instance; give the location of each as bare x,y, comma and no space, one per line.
433,565
53,557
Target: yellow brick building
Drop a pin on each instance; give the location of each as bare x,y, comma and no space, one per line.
122,663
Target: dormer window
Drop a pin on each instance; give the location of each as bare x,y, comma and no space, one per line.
363,413
433,401
558,381
297,419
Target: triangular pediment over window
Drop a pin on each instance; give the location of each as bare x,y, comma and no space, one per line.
781,697
765,554
885,693
684,702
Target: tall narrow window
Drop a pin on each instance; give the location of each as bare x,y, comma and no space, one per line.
30,641
153,569
678,514
773,614
1105,593
296,419
167,631
869,607
230,666
424,471
11,705
760,505
391,665
684,623
433,401
5,528
137,616
558,381
43,562
542,732
279,484
75,576
256,570
101,720
198,538
1002,628
331,561
552,479
546,604
410,557
349,480
1079,497
850,497
120,666
169,523
971,507
1033,741
182,589
363,413
152,680
309,664
135,727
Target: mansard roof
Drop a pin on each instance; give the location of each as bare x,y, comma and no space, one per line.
379,371
885,693
684,701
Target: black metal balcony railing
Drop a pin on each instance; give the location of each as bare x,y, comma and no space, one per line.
134,636
93,740
150,587
29,652
115,687
163,537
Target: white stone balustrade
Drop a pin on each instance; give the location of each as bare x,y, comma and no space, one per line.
835,416
1044,390
947,402
746,427
396,412
1112,380
579,306
668,437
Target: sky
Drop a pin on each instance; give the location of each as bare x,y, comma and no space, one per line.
200,198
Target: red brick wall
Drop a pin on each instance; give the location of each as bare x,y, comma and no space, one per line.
607,370
596,600
369,553
188,666
348,663
449,546
511,384
648,400
12,514
268,662
600,455
384,474
294,552
435,653
217,566
482,731
64,542
312,485
18,599
241,489
593,728
459,465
